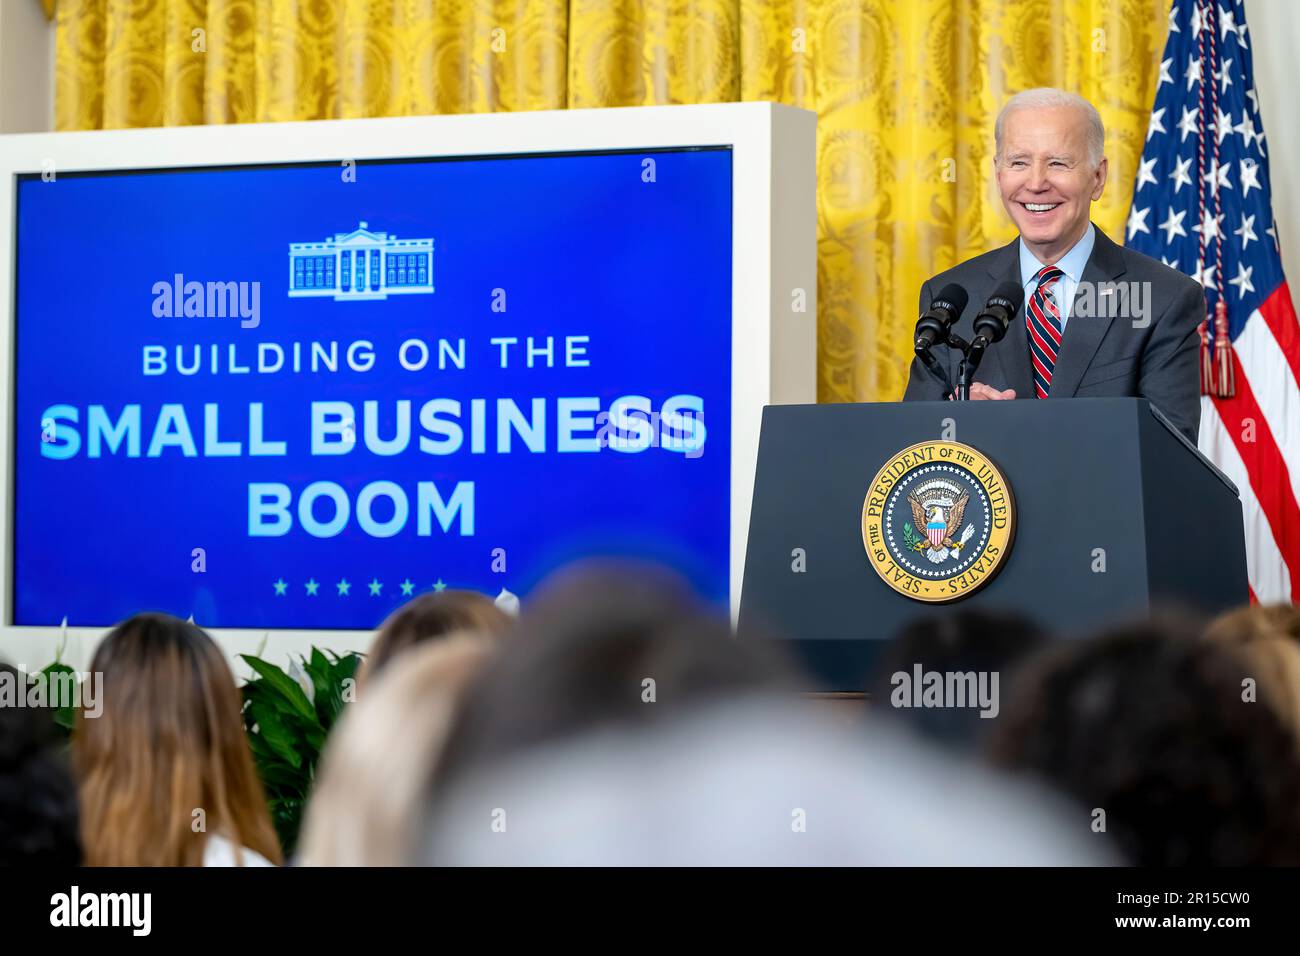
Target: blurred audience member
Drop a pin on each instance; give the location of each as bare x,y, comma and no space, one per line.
1147,730
982,643
367,804
757,782
602,646
38,800
165,773
1269,640
431,616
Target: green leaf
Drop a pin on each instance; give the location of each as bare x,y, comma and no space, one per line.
282,683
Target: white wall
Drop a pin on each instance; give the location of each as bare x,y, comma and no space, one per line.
26,68
1275,38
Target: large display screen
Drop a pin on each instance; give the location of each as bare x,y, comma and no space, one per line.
296,396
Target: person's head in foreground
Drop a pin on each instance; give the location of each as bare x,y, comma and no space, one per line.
605,645
368,799
1051,166
1269,639
1149,730
430,617
165,773
985,648
38,801
624,725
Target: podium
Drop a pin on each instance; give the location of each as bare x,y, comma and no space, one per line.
1113,514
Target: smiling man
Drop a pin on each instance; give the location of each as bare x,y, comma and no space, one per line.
1099,320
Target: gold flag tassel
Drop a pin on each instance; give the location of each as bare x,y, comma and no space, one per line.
1207,363
1226,383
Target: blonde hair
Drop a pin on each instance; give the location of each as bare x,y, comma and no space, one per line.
375,772
1269,640
169,743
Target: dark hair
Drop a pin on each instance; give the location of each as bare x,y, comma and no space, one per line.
38,799
1149,724
434,615
956,642
583,651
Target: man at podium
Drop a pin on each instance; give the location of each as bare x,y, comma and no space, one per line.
1097,320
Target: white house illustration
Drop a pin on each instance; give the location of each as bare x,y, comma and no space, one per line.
361,265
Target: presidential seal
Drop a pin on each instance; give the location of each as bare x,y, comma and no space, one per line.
938,521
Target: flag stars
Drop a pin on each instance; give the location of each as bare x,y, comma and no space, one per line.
1249,176
1181,175
344,587
1187,125
1247,231
1210,227
1217,176
1155,125
1227,23
1145,174
1246,128
1205,276
375,587
1173,225
1137,221
1223,76
1194,73
312,586
1198,20
280,587
438,585
1222,125
1173,19
1242,281
408,588
1171,263
1165,75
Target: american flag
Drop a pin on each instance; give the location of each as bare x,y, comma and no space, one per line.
1202,205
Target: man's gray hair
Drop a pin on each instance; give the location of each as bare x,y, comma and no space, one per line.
1046,96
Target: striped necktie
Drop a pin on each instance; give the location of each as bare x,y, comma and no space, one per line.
1044,321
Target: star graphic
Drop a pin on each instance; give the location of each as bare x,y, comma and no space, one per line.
1145,174
1165,75
1180,174
1272,231
1171,263
1173,225
1193,73
1242,282
1197,21
1173,20
375,587
438,585
1249,176
1155,125
1254,100
1137,221
344,587
407,587
280,586
312,587
1246,232
1187,125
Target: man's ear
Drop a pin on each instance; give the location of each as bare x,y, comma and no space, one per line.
1099,184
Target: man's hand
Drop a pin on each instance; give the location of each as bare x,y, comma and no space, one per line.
981,392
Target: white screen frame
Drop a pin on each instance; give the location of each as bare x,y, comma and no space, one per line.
773,347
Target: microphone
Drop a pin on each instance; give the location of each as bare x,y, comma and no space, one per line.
945,309
991,323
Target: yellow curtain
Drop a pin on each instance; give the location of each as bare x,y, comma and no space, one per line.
906,92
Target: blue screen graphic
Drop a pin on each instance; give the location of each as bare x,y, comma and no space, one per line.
296,396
